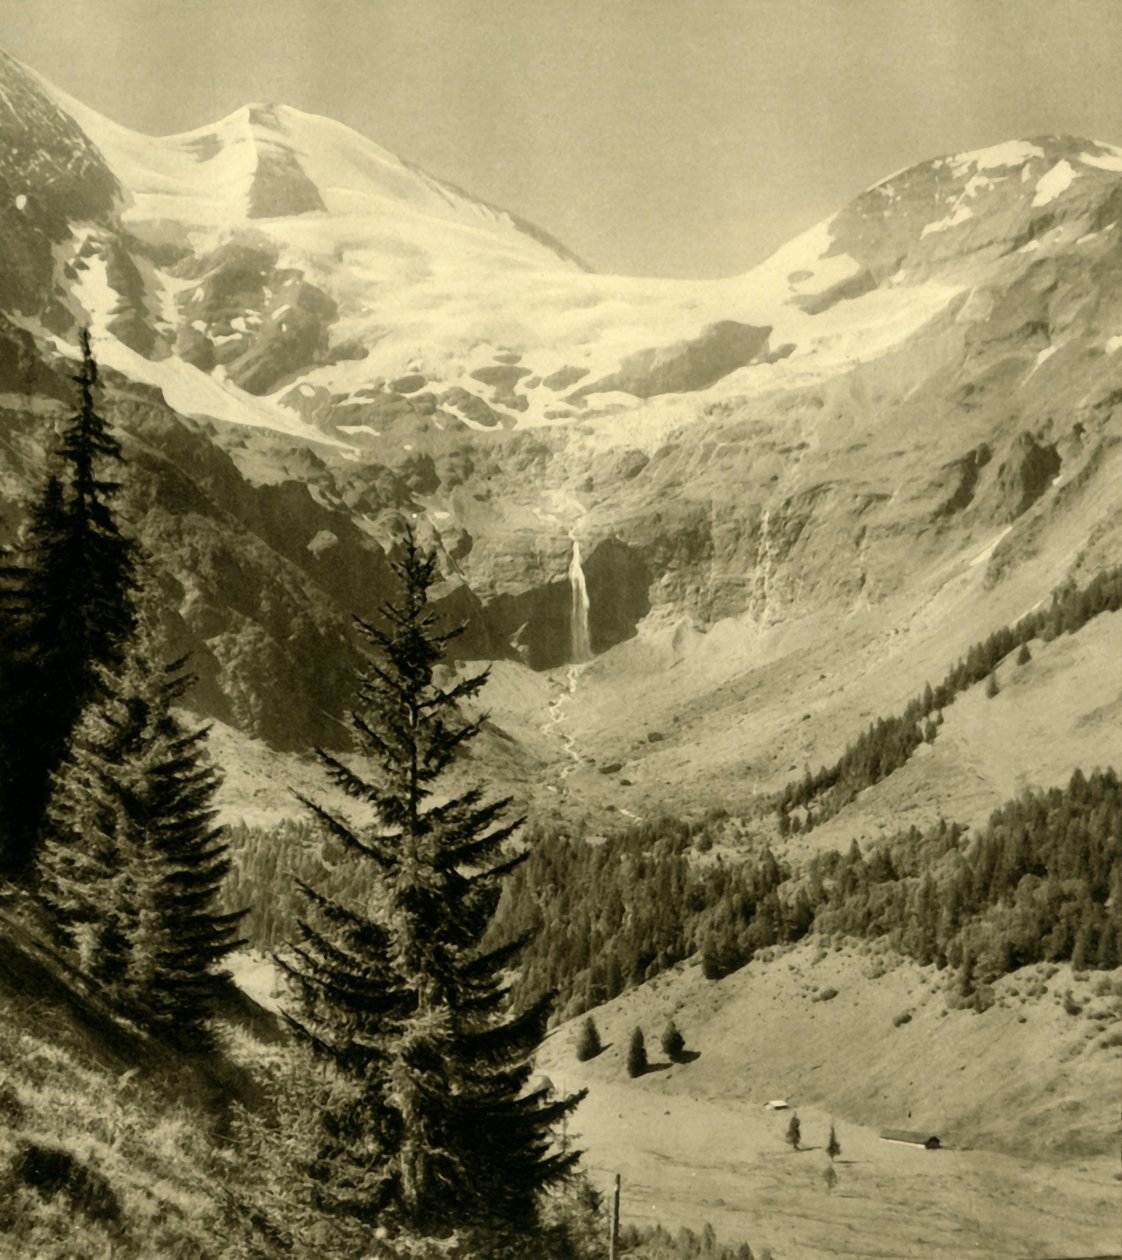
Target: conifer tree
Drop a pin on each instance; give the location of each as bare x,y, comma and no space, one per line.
673,1043
65,611
132,862
588,1043
637,1054
428,1122
833,1146
794,1133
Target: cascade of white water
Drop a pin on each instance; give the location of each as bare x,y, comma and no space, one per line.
580,645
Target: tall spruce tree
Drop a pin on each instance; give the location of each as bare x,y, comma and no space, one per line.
430,1122
132,863
65,611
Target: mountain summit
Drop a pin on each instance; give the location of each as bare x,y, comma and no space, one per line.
276,268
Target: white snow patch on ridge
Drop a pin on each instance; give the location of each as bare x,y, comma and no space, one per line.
782,274
1042,357
1109,160
185,388
958,215
976,184
1011,153
1114,344
1058,180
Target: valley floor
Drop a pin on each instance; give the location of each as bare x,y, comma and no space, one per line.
1024,1097
687,1160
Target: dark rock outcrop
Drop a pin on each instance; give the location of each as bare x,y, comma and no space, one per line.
685,366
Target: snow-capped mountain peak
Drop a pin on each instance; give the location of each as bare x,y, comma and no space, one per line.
279,268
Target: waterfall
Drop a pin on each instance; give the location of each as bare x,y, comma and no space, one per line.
580,645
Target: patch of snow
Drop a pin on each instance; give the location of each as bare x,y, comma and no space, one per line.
199,325
976,184
308,391
1092,236
1029,247
989,549
958,215
190,391
811,252
1111,161
1056,181
238,324
94,292
359,428
1042,357
281,311
1114,344
21,201
1011,153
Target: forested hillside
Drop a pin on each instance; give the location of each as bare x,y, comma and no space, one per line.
1039,883
888,743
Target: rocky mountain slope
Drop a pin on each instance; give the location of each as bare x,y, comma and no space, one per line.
797,493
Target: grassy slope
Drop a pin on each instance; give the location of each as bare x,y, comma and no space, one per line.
1060,711
76,1080
1017,1091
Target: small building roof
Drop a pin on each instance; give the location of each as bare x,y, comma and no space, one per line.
910,1138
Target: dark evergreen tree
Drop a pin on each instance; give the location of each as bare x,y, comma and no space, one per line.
833,1146
673,1043
65,611
428,1122
992,687
588,1043
1024,655
794,1133
132,863
637,1054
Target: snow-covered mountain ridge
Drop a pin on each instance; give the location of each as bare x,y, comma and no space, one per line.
279,269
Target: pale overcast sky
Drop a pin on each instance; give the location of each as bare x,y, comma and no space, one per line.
659,137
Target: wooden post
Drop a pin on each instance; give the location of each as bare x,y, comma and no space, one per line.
613,1239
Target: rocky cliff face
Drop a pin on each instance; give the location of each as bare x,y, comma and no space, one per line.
309,343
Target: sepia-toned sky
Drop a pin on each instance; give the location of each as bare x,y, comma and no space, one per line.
655,137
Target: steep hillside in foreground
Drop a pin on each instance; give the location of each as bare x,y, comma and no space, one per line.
109,1143
1028,1078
